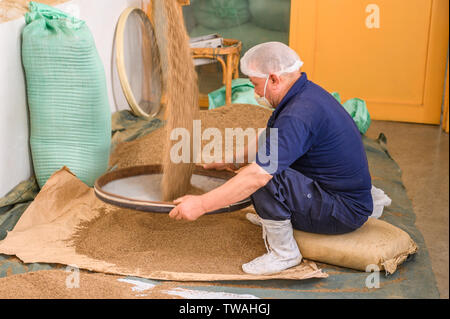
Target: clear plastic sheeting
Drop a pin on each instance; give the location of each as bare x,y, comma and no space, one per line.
137,63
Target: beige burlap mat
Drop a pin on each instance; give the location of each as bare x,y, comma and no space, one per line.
67,224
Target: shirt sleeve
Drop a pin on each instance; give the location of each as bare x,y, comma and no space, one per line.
283,144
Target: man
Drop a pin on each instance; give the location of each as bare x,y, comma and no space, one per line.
321,183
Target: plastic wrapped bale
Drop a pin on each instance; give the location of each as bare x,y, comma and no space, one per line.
357,109
271,14
70,118
217,14
242,92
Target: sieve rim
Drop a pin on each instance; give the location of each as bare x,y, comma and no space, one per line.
155,206
120,64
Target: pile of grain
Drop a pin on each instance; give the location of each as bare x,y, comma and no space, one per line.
148,149
218,243
51,284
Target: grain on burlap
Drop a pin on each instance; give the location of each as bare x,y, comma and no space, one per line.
181,91
213,244
218,243
53,284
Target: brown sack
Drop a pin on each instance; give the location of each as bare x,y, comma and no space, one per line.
375,243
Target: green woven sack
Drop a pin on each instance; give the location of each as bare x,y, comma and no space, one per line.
217,14
242,92
70,119
357,109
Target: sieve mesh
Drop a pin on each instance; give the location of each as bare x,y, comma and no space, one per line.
138,62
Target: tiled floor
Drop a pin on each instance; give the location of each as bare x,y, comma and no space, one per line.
422,152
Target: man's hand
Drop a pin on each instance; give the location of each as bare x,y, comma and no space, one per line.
188,207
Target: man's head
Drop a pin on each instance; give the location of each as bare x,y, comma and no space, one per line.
273,68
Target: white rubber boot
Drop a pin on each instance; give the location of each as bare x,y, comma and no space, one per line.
282,250
254,218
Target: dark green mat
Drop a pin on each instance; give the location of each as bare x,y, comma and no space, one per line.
413,279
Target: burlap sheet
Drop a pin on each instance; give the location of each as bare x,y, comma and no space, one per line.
44,232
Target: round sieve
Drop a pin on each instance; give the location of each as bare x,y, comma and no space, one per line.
106,189
137,60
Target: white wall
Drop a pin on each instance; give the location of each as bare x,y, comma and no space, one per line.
15,160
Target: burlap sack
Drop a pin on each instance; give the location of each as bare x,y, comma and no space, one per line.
375,243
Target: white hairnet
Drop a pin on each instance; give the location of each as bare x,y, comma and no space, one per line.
270,57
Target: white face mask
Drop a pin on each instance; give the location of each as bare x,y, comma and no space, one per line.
263,100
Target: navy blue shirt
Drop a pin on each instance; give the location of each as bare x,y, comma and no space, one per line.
318,138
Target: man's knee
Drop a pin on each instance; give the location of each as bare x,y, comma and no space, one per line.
268,205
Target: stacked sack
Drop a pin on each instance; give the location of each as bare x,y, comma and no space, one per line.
251,21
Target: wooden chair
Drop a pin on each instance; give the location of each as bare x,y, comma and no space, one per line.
228,57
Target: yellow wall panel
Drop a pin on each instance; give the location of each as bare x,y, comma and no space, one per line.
391,53
445,118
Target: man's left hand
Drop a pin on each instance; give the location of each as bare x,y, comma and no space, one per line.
188,207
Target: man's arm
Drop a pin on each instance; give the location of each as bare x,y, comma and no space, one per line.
241,186
248,154
245,156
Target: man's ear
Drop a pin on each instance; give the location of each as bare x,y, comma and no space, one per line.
275,80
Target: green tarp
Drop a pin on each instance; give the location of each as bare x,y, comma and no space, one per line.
414,279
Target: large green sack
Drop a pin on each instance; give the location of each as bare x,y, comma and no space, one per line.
357,109
271,14
70,118
242,92
217,14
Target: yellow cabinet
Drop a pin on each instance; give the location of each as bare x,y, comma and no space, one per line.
391,53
